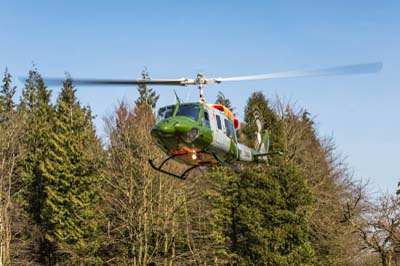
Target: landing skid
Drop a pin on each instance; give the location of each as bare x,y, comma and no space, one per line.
230,165
181,176
186,172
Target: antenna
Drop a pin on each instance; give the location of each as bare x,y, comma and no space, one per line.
177,97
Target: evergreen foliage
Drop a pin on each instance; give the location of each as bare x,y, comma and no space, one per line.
258,105
37,111
83,212
260,215
146,95
7,92
221,99
61,172
71,179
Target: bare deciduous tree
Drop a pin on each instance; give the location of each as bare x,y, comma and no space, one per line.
9,155
330,182
153,218
379,226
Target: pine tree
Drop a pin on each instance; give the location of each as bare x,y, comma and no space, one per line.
259,215
37,112
6,96
71,181
146,95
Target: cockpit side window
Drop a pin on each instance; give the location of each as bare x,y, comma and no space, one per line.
165,112
206,119
189,110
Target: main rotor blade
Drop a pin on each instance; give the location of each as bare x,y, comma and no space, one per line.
333,71
96,82
339,70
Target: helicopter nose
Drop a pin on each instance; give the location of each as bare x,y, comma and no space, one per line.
173,127
167,128
164,128
182,127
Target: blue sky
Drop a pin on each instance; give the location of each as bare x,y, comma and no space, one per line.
175,39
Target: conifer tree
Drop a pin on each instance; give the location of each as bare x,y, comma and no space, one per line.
258,105
221,99
71,181
7,92
259,215
37,112
147,96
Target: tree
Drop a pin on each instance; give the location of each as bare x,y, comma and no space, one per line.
330,182
10,156
6,96
259,215
139,203
151,217
146,95
379,226
258,107
36,109
221,99
71,177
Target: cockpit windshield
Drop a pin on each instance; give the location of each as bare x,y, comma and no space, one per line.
165,112
189,110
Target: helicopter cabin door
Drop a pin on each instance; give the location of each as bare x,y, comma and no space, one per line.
221,140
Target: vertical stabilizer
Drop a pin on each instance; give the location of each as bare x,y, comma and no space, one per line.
264,143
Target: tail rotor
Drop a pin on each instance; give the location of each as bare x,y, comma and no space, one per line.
262,136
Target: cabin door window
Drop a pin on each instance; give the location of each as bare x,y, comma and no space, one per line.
219,124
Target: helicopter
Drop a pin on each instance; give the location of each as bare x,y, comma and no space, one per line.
201,134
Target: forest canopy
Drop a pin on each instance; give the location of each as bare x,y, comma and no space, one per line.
68,199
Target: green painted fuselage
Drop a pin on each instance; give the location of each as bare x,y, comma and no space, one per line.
197,132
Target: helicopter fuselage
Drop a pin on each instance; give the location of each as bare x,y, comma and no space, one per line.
200,134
